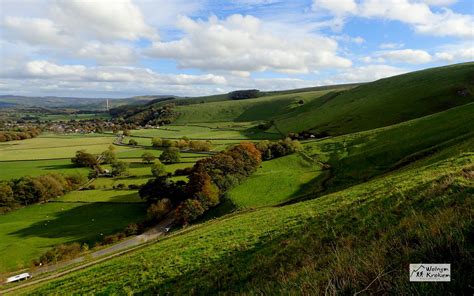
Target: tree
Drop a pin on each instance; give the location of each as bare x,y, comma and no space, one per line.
84,159
148,157
158,170
158,210
109,156
170,155
156,142
7,201
159,188
119,168
189,210
132,142
126,133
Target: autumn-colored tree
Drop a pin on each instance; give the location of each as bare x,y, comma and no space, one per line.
189,210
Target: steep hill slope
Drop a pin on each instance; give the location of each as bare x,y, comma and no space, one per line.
263,108
310,247
385,102
355,158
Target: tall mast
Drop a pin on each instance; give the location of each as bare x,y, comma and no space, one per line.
107,104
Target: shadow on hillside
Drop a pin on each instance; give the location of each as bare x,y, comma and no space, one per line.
58,167
85,223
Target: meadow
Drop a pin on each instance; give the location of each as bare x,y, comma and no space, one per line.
27,233
392,184
277,180
340,229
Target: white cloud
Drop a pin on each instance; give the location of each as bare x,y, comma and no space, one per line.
440,2
243,43
418,14
107,54
103,19
36,31
339,7
455,53
367,73
391,45
412,56
46,69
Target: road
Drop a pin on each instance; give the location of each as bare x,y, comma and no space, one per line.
118,249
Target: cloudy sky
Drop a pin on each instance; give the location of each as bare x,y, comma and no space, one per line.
120,48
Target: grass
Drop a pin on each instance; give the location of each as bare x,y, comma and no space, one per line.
307,247
358,157
263,108
29,232
218,130
54,147
384,102
102,195
17,169
278,180
399,190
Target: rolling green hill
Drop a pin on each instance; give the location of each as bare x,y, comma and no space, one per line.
393,185
385,102
263,108
410,216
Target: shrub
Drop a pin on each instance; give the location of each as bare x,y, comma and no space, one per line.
158,170
189,210
132,142
84,159
119,168
156,142
148,157
170,155
61,252
157,211
131,229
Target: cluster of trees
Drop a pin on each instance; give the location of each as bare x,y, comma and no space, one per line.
284,147
184,143
109,156
29,190
244,94
19,134
308,135
149,114
208,180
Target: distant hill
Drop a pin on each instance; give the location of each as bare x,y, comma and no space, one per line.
72,102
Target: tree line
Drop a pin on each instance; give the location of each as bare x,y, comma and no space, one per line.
19,134
184,143
30,190
209,179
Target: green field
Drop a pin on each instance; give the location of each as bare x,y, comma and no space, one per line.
50,146
29,232
391,185
276,181
337,230
17,169
219,130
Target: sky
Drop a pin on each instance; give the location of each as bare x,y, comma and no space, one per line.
122,48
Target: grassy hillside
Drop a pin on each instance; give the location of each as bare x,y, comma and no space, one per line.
282,249
360,156
356,158
276,181
385,102
262,108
